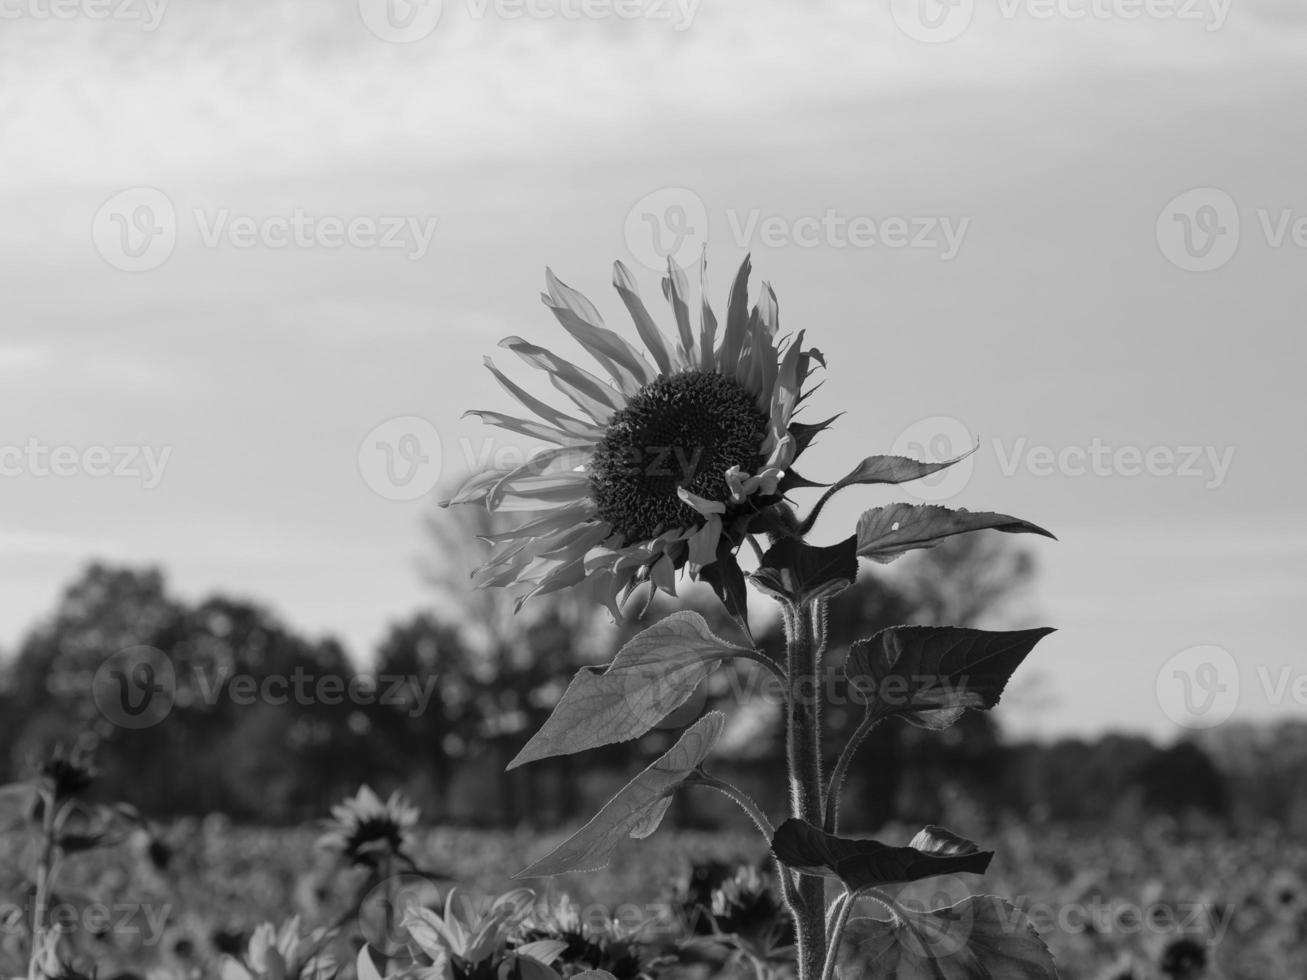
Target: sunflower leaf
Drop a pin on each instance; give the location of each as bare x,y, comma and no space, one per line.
863,864
885,533
800,573
652,675
895,469
932,674
980,938
637,807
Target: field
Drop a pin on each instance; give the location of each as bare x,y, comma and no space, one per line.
1107,904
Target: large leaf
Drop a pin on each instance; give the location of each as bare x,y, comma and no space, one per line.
800,573
885,533
979,938
931,674
895,469
637,809
652,676
868,863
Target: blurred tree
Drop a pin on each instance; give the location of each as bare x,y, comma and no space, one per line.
187,761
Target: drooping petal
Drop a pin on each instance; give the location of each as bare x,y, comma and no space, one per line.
562,460
586,391
663,574
475,487
579,318
703,546
526,427
553,416
548,523
702,505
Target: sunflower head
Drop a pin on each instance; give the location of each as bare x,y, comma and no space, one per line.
68,773
285,954
667,460
365,829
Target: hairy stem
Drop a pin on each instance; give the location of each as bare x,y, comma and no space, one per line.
803,745
846,903
747,805
836,785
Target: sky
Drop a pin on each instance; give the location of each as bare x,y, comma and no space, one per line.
243,245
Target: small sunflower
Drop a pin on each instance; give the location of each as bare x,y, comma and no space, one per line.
284,954
68,773
671,461
364,828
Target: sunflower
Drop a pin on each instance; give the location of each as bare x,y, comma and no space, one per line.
670,462
284,954
364,828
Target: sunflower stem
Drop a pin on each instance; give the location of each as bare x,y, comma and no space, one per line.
803,746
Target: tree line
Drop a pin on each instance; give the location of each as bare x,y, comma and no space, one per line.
453,691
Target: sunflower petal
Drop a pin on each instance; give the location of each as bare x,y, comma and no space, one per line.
737,322
579,318
707,319
562,460
675,289
703,546
553,416
653,338
589,393
548,523
474,488
526,427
